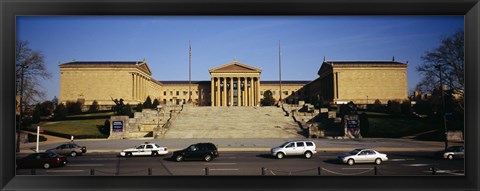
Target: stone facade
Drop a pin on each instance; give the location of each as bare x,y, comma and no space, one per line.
362,82
234,84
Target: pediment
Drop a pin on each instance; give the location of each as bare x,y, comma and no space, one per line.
235,67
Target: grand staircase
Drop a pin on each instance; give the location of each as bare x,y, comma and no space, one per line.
233,122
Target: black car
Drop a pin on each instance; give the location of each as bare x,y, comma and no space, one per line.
199,151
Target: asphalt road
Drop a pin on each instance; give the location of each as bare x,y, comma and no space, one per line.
251,164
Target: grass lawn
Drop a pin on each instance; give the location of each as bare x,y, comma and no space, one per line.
78,128
384,125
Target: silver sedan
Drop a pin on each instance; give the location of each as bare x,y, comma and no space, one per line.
363,156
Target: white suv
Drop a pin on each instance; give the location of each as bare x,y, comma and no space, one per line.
290,148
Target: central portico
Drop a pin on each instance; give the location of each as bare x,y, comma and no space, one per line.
235,84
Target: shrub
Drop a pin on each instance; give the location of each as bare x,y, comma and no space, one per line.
105,128
94,107
74,107
394,107
46,108
139,107
148,103
377,106
406,107
268,99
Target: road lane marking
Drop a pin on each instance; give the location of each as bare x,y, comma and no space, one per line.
418,165
219,163
398,160
357,168
224,169
85,164
65,170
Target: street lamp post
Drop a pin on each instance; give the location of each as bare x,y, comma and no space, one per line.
443,106
159,107
22,72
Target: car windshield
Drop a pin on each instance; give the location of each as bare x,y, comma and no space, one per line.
354,152
284,144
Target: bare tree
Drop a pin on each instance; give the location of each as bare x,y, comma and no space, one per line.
33,66
446,61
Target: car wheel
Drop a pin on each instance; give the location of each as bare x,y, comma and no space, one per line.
280,155
129,154
179,158
308,154
73,154
46,166
154,154
207,158
450,157
350,162
378,161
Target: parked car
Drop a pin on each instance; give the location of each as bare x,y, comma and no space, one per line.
199,151
71,149
454,152
42,160
292,148
363,156
146,149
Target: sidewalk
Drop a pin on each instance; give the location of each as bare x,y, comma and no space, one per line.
247,144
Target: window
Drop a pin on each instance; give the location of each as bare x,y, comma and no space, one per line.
149,147
309,144
164,93
290,145
273,92
171,93
285,92
178,93
185,92
196,93
293,92
300,144
261,92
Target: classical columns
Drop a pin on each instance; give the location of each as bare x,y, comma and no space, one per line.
217,92
212,81
224,95
257,91
231,92
239,90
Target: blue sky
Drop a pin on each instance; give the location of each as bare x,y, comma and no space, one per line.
216,40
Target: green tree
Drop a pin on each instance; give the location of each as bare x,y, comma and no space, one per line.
148,103
60,112
46,108
94,107
155,103
36,114
268,99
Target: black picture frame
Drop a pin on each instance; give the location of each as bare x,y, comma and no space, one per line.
9,9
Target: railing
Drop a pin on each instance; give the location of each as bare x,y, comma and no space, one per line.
317,171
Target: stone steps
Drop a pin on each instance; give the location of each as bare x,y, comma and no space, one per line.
233,122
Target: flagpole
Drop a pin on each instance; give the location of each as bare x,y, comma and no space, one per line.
280,70
189,72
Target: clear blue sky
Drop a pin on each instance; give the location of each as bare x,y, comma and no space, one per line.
216,40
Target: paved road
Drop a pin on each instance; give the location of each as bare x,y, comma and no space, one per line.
381,144
251,163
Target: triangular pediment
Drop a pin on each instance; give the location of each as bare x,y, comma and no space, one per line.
235,67
143,66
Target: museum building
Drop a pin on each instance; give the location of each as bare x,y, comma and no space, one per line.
231,84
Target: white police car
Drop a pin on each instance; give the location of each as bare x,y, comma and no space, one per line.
146,149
